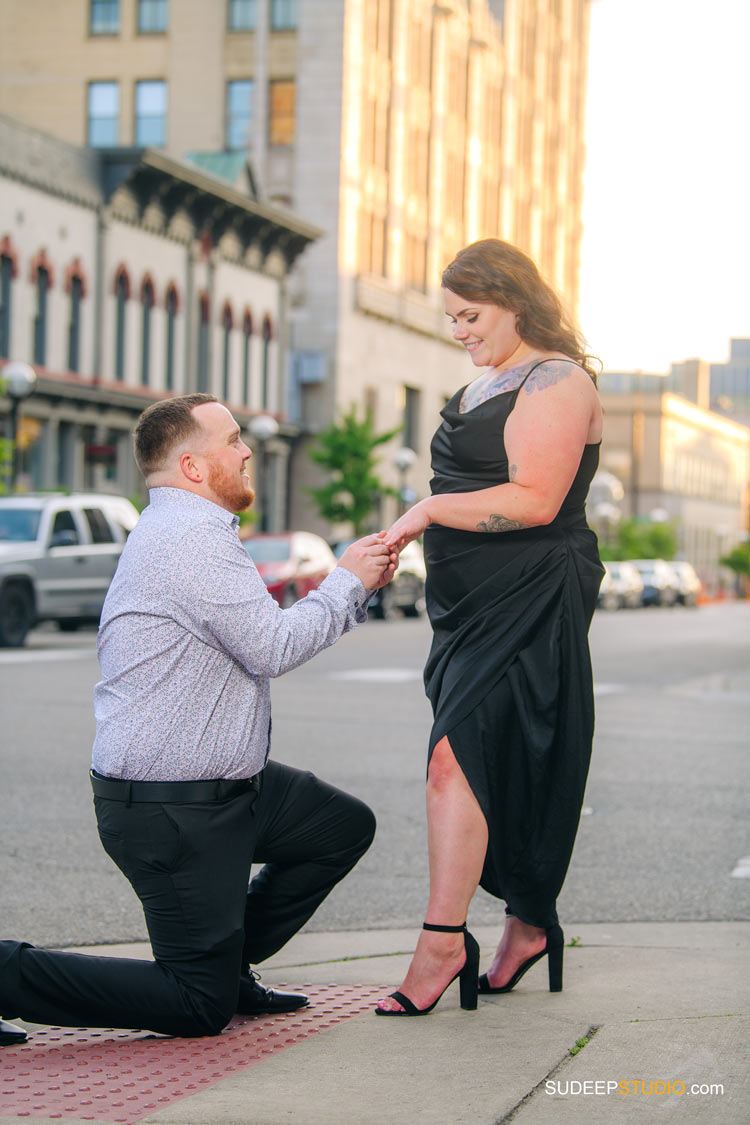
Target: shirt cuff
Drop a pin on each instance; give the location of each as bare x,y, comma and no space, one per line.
345,584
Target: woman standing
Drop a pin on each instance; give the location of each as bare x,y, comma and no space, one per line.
512,579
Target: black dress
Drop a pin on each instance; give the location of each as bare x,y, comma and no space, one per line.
509,672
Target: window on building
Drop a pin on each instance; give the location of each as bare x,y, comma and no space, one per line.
239,114
171,309
6,287
147,304
204,339
373,243
122,293
226,324
104,17
103,114
283,15
153,16
40,317
416,261
150,113
281,112
411,418
74,324
266,369
242,15
247,332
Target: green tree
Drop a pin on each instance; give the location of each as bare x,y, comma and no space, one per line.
6,457
6,464
346,449
641,539
738,560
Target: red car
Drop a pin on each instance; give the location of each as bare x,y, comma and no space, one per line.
290,564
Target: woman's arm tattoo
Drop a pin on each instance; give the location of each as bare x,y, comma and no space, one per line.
500,523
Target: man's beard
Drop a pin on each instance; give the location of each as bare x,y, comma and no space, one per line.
234,492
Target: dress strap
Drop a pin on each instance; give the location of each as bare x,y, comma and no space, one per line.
531,370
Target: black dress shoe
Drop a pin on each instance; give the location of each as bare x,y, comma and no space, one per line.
255,1000
10,1034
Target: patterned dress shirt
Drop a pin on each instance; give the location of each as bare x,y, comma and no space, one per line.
189,640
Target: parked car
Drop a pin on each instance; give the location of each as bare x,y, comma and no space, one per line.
290,564
608,597
659,581
58,554
405,591
627,583
689,585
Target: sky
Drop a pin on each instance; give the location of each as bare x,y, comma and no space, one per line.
665,269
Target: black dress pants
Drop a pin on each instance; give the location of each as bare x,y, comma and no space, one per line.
189,864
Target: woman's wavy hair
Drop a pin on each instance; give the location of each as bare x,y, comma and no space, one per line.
495,272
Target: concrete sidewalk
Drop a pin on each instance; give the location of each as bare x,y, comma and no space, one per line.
661,1005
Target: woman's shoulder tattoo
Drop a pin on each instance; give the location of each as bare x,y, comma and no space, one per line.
549,372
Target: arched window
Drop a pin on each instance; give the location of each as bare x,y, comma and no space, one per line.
147,304
266,369
74,324
75,287
226,324
204,338
8,272
122,295
247,331
41,277
171,305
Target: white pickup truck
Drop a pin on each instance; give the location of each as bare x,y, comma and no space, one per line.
58,554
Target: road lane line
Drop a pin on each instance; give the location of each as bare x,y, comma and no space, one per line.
33,656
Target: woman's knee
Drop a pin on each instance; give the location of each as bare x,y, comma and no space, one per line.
443,770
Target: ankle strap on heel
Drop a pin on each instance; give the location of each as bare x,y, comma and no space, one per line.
444,929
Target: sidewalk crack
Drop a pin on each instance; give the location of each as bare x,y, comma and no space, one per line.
550,1074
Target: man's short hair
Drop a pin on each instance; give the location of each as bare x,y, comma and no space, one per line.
163,426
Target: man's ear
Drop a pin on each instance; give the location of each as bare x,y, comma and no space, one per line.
190,469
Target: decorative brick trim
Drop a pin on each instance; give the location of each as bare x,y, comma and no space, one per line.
40,261
7,251
172,290
122,272
76,270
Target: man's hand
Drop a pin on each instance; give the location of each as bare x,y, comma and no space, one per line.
371,560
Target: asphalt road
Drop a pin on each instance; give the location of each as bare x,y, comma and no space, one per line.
665,820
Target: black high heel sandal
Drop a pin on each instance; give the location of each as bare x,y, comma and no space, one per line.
467,978
553,951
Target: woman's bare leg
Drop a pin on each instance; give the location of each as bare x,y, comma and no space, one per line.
519,942
457,843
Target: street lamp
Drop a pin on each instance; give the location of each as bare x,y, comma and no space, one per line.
262,428
20,380
403,459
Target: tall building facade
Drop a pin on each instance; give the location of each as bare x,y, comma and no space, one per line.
126,276
678,460
402,129
730,382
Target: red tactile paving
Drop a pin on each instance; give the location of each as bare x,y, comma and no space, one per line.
124,1076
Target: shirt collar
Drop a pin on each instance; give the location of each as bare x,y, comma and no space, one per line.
164,496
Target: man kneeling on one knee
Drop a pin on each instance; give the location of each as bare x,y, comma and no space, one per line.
185,796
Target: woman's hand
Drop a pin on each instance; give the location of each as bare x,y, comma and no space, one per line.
409,526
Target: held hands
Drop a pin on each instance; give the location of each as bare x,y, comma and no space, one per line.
372,560
408,527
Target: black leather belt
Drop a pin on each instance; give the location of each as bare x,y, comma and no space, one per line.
171,792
